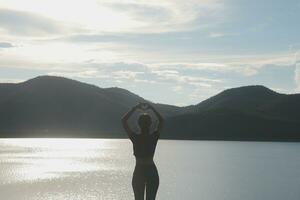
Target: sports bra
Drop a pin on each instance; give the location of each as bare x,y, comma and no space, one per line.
144,145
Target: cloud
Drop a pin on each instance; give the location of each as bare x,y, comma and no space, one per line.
26,23
297,76
169,15
114,72
246,69
92,17
11,80
120,66
193,82
191,65
244,65
216,35
178,89
85,74
133,73
6,45
144,12
172,76
221,34
125,74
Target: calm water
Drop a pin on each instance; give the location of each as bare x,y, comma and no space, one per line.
73,169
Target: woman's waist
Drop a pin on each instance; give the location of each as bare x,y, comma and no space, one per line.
144,160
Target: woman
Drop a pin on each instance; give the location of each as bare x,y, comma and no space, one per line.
145,174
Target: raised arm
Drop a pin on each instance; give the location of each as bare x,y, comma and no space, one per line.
160,119
125,118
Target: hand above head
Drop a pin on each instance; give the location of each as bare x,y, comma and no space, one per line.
142,106
160,118
137,106
150,106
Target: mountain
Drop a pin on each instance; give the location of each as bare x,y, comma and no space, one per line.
58,107
245,113
49,106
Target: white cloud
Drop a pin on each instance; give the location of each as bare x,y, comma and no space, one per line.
170,79
79,74
297,77
297,67
243,65
33,17
216,35
167,15
125,74
11,80
157,44
178,88
21,23
173,66
175,77
145,81
6,45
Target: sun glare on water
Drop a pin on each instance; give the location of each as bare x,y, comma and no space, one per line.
59,143
54,158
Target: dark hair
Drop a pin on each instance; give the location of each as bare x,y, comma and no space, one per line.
144,120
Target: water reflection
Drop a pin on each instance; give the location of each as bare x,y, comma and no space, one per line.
187,169
36,159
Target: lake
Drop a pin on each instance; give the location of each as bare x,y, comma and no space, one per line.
73,169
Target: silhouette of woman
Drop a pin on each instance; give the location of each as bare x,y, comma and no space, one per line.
145,174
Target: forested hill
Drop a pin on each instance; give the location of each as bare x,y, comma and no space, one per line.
50,106
245,113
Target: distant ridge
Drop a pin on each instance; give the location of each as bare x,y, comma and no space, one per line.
244,113
244,98
48,106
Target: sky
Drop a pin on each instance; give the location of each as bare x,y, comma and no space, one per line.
167,51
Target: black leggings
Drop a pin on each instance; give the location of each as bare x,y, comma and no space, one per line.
145,176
